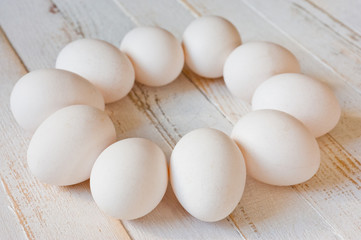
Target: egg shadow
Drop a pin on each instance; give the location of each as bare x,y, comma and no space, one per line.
169,219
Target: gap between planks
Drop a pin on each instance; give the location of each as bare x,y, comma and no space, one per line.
196,13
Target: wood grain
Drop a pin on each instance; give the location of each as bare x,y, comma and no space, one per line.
326,207
133,117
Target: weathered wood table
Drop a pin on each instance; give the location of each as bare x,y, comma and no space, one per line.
324,35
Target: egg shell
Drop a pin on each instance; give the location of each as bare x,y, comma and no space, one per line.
278,148
102,64
208,174
64,148
156,54
254,62
310,101
207,42
40,93
129,178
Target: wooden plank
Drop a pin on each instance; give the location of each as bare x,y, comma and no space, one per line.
255,208
215,88
338,12
9,221
132,116
128,10
40,212
347,133
343,51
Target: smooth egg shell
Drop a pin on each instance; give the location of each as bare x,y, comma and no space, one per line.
310,101
64,148
156,54
208,174
254,62
278,148
42,92
207,42
129,178
102,64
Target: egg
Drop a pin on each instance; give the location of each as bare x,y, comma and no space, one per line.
208,174
64,148
207,42
310,101
278,148
42,92
254,62
102,64
156,54
129,178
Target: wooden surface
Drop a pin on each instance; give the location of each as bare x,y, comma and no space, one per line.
324,35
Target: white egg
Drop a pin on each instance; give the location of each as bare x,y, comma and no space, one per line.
310,101
129,178
42,92
156,54
102,64
207,42
254,62
65,146
278,148
208,174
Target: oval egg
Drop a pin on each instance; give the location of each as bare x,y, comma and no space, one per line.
103,64
208,174
157,56
42,92
310,101
278,148
64,148
129,178
207,42
254,62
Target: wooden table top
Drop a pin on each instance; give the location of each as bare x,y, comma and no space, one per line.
325,35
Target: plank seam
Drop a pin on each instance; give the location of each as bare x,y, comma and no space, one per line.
301,8
13,48
259,13
19,214
333,18
335,230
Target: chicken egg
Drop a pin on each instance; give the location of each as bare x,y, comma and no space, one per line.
208,174
64,148
129,178
278,148
207,42
156,54
42,92
254,62
102,64
310,101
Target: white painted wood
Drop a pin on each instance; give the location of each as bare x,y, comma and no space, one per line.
326,207
9,222
41,211
346,14
133,117
346,90
333,47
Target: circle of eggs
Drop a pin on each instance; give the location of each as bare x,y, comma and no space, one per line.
310,101
40,93
207,174
156,54
64,148
129,178
254,62
101,63
207,42
278,148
